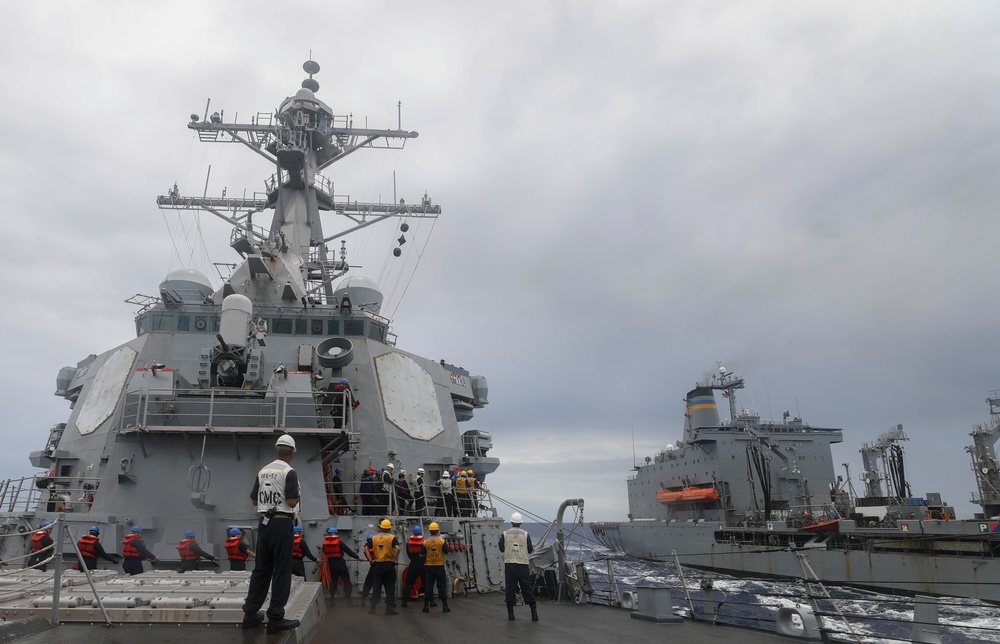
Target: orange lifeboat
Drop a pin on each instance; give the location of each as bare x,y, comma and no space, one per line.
688,495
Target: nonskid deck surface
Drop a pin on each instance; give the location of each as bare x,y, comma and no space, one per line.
470,618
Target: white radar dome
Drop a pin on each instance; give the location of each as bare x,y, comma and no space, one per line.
362,292
185,285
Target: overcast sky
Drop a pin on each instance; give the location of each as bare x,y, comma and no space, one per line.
632,192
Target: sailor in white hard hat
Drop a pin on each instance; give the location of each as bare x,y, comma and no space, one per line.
419,502
515,544
276,495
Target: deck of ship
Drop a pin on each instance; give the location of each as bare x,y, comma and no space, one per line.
471,619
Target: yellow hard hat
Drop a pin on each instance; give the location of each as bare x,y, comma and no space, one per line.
464,473
471,472
385,525
433,527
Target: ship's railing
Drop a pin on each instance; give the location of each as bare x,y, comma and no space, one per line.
223,411
366,497
48,494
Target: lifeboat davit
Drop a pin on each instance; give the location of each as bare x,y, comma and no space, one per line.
688,495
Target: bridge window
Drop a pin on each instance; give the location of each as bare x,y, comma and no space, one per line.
281,326
163,323
354,327
300,326
333,327
184,323
141,325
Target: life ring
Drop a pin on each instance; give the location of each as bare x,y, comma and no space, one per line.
417,585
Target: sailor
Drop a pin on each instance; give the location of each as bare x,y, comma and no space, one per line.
134,551
91,548
190,552
472,486
41,547
462,494
448,495
515,544
237,550
435,548
300,551
419,501
339,500
418,560
385,555
334,552
403,495
367,491
386,504
276,496
341,400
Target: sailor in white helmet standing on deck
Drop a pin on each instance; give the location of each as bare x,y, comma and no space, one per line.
276,495
515,544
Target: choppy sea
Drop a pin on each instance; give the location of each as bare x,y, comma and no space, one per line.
850,615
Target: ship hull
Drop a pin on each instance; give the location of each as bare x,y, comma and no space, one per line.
897,568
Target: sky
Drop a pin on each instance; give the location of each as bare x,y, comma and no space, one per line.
632,194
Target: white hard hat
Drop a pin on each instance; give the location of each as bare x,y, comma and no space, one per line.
285,441
420,470
516,518
402,472
390,466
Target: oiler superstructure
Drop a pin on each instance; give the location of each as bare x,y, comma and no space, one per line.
168,430
761,498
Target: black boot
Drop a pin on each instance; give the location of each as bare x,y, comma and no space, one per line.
445,609
364,601
402,602
371,609
427,608
510,613
534,613
391,610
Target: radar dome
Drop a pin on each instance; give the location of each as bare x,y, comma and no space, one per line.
362,292
185,285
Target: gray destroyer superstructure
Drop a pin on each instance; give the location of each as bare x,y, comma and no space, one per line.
761,498
168,430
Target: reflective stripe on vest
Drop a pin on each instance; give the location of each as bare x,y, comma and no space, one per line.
184,548
435,551
382,546
415,545
86,545
515,550
331,547
271,488
130,550
233,549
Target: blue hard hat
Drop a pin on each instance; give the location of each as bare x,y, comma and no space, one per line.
95,529
137,528
343,381
46,524
337,471
298,528
189,534
416,529
234,531
331,531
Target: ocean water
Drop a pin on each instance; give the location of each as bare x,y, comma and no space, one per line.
872,617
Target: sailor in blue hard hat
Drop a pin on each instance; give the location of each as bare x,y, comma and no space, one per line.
190,552
41,547
237,550
91,549
339,499
418,561
134,551
300,552
335,552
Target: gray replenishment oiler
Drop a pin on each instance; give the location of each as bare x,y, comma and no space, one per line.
168,430
759,498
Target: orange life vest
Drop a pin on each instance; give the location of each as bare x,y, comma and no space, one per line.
36,541
415,545
331,547
86,545
233,549
128,549
184,549
297,547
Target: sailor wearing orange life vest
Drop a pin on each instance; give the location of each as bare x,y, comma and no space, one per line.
134,551
190,552
237,550
435,548
41,547
91,548
334,550
300,551
385,554
415,571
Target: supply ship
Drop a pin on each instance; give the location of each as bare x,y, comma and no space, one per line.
761,498
167,430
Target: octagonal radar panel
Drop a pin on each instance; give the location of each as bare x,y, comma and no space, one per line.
106,388
409,396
